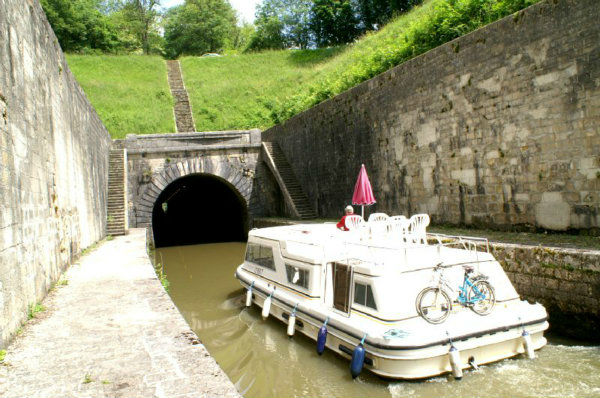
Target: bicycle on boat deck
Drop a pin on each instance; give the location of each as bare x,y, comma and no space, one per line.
434,304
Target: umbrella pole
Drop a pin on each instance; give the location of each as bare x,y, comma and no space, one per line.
363,211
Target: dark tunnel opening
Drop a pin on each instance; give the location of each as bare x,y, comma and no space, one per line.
199,208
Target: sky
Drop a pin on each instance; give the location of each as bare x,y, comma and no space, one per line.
244,8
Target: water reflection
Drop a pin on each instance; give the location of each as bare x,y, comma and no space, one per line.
262,361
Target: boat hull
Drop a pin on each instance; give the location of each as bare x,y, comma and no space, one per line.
413,362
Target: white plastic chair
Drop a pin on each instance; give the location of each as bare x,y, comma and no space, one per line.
418,227
375,217
395,224
378,225
354,222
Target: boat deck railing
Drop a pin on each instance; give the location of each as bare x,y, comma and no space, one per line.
385,251
470,243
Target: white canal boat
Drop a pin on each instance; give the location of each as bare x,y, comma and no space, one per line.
391,298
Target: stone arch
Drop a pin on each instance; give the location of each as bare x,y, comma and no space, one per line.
169,174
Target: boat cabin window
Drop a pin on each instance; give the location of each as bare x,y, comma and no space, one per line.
297,276
363,295
260,255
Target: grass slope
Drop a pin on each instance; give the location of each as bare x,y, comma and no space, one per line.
130,93
242,91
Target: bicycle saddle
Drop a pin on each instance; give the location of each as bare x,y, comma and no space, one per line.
468,269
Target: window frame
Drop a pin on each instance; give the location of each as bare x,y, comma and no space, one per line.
304,270
261,247
368,289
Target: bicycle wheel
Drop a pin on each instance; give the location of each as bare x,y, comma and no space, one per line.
481,296
434,305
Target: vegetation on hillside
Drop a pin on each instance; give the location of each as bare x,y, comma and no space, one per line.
414,33
308,23
105,26
260,90
242,91
130,93
137,26
199,27
263,89
196,27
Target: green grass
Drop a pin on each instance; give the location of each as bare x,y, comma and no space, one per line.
242,91
34,309
130,93
62,282
162,277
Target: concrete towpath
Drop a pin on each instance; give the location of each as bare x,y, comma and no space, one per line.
112,331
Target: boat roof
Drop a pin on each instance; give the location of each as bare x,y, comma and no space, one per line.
319,243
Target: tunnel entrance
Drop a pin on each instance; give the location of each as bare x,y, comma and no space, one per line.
199,208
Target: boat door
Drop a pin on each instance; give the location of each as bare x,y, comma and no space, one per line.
342,287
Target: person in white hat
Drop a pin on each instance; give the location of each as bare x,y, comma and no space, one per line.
342,224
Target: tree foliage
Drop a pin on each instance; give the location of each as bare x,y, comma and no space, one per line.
141,17
268,36
198,27
333,22
282,24
105,25
375,13
242,36
79,25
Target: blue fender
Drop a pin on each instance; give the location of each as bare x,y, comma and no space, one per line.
358,360
321,339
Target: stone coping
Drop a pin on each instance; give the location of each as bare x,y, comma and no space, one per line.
192,147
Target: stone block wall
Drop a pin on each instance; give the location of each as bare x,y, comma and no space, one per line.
565,281
53,163
499,128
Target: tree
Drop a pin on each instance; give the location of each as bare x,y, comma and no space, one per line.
282,24
79,25
141,16
375,13
198,27
333,22
242,36
268,36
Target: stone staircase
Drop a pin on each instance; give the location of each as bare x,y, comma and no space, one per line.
183,110
116,223
292,191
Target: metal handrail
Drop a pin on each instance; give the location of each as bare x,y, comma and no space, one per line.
468,242
471,244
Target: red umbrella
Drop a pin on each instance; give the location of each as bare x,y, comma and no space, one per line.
363,193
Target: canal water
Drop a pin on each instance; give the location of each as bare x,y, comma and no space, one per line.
262,361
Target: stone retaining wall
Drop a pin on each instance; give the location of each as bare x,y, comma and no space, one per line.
499,128
53,163
566,281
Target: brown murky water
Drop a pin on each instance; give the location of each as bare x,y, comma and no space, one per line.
263,362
